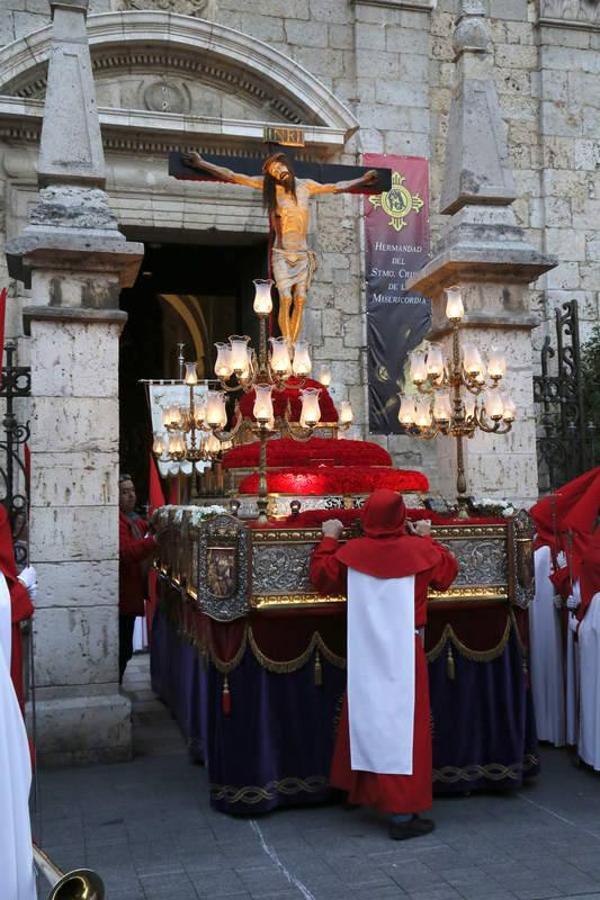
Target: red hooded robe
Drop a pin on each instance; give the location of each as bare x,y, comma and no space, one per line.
387,551
21,606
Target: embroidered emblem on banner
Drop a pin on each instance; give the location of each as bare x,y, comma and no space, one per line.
398,202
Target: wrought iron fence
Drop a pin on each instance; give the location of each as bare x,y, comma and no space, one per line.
16,383
565,430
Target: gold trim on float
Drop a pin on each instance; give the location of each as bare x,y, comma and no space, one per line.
252,794
284,601
449,634
491,771
473,593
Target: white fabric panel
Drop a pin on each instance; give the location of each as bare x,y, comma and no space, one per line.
16,856
572,691
589,670
140,634
381,673
547,677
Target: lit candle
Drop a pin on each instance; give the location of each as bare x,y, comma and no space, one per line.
311,413
472,360
263,303
406,413
435,363
418,369
158,447
263,404
346,415
212,445
239,354
223,367
281,363
191,375
423,413
455,309
216,414
302,364
442,410
200,412
324,375
494,406
509,413
496,365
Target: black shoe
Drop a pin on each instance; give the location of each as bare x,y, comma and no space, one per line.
416,827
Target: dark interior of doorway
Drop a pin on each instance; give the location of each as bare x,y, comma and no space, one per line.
219,277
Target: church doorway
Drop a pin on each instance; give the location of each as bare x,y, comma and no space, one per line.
185,293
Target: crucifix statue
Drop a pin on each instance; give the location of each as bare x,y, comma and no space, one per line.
286,200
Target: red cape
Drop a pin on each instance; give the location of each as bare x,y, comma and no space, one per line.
387,551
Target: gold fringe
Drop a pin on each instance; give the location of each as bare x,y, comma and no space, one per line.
448,634
316,643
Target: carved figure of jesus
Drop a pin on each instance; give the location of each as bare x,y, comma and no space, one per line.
286,199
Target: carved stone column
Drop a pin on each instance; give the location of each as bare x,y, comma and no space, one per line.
483,250
76,261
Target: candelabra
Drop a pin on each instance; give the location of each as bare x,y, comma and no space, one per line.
195,433
456,396
239,367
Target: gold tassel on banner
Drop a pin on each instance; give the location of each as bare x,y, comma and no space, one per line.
450,666
318,669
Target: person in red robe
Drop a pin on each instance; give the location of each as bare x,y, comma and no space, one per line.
136,547
22,590
383,755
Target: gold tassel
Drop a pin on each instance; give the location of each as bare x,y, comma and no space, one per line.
318,669
450,666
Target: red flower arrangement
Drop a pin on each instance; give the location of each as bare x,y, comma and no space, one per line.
291,394
316,452
336,480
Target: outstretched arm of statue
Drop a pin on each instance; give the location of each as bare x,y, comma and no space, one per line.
196,161
340,187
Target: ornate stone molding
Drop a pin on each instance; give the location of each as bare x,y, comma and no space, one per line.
205,9
228,56
581,14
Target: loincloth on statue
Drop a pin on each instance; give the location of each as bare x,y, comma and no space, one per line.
293,269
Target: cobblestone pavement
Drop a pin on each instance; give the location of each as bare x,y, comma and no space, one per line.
147,828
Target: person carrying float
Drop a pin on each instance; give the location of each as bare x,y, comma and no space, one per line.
383,754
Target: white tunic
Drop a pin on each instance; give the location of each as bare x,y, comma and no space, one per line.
588,639
381,673
547,675
16,857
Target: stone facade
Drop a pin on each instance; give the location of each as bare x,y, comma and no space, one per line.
391,64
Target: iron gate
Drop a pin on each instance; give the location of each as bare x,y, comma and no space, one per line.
565,433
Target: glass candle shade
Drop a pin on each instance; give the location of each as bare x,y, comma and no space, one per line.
212,445
472,362
191,374
200,412
239,354
496,365
263,403
281,363
418,369
302,364
346,415
263,302
216,414
324,376
469,404
455,309
509,412
435,363
423,413
158,446
494,406
406,413
223,367
311,413
442,408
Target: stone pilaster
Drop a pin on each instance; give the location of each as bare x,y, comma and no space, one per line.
76,261
485,252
